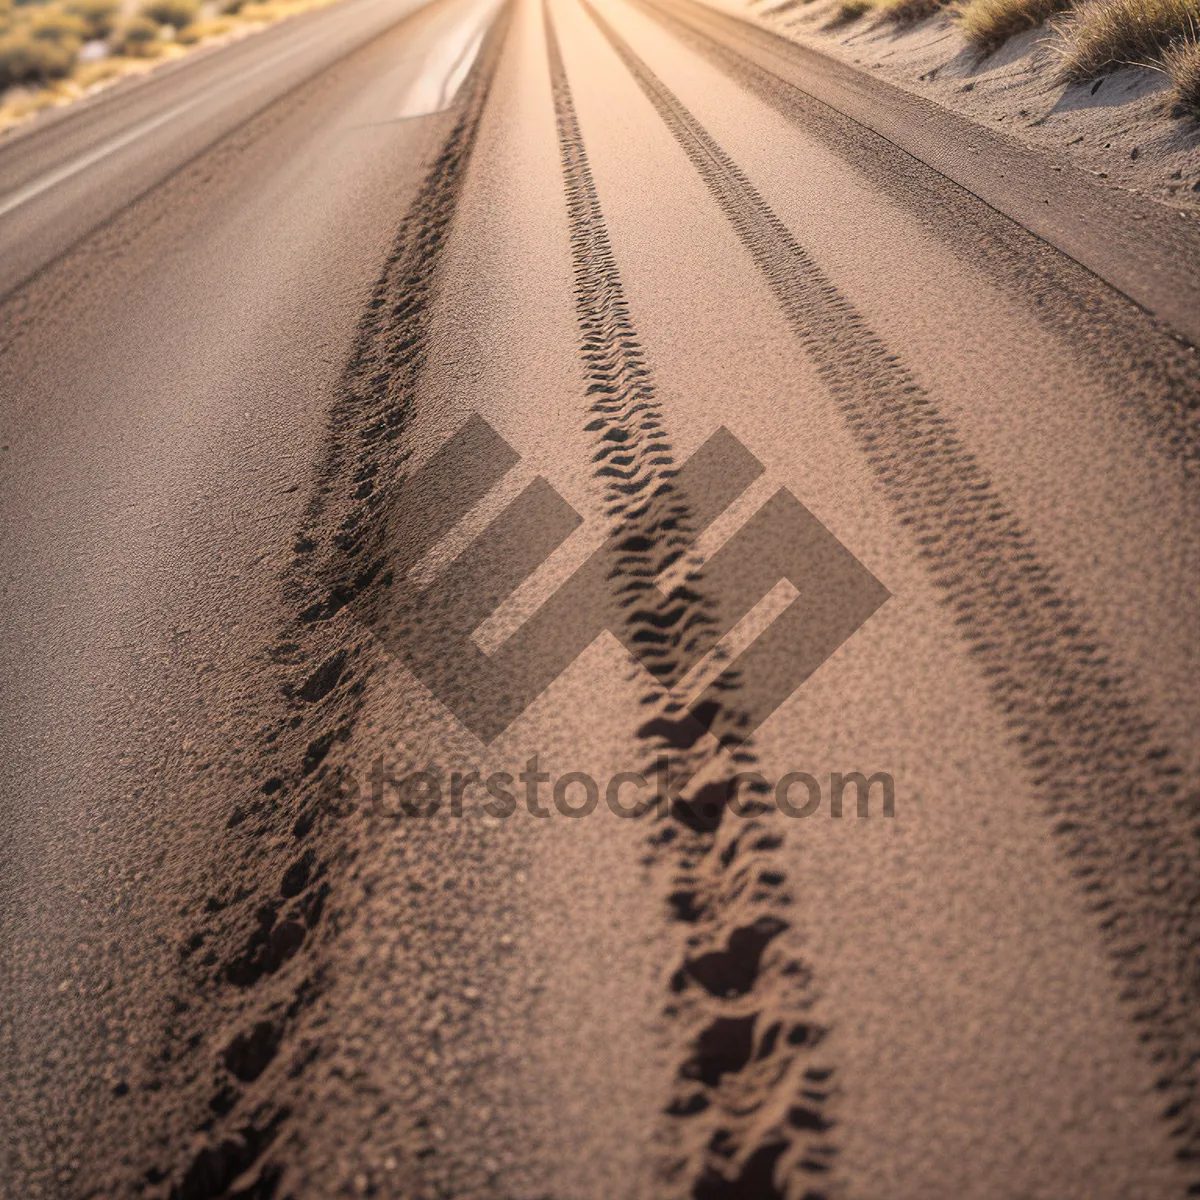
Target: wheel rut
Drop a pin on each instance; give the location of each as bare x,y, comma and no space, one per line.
751,1114
248,1037
1117,796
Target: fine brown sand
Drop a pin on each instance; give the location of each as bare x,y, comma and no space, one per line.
236,966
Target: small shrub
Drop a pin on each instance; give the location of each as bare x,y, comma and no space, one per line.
138,38
172,12
263,10
851,10
28,59
1107,34
909,12
100,16
54,26
988,24
1183,66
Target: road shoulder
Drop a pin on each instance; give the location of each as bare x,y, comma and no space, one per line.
1142,249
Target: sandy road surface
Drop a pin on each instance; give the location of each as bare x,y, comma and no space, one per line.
351,429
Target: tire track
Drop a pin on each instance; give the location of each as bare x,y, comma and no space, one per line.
1154,372
750,1113
257,956
1124,815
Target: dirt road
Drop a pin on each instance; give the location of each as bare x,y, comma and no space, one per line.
430,432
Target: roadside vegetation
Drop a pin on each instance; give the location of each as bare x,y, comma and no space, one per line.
54,51
1096,36
1183,65
1106,34
988,24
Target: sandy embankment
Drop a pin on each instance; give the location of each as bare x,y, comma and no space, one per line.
1119,128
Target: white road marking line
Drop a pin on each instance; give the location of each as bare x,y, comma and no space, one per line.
30,191
61,174
447,64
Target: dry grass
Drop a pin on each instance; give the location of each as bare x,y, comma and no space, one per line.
171,12
1106,34
901,12
1182,63
203,31
91,75
85,77
138,38
100,15
987,24
40,41
1099,36
851,10
909,12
